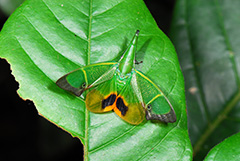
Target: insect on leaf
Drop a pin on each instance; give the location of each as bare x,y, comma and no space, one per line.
120,87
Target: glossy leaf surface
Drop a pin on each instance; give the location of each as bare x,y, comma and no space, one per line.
226,150
44,40
206,35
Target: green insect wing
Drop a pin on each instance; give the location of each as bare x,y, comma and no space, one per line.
118,86
129,105
157,105
79,80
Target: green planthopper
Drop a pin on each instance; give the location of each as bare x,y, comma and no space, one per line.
118,86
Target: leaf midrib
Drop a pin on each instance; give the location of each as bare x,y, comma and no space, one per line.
87,63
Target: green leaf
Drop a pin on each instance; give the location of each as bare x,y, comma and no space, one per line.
226,150
206,35
43,40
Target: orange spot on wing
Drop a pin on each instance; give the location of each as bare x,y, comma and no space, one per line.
108,108
116,110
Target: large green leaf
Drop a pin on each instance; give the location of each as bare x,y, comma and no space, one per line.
45,39
206,35
226,150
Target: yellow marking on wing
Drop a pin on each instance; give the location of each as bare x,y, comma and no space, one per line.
134,115
105,97
149,80
106,63
94,102
117,111
159,95
109,108
85,76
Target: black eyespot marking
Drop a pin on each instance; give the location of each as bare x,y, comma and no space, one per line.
121,106
108,101
149,107
83,85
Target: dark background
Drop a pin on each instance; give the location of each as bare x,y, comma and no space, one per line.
27,136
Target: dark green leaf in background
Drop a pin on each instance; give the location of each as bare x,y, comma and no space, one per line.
8,6
206,35
45,39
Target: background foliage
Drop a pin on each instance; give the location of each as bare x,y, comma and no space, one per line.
206,36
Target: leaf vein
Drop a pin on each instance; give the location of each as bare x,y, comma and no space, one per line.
109,9
87,122
157,144
78,10
42,35
42,70
61,22
114,27
113,140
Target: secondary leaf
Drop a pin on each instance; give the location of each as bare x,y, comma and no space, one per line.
9,6
226,150
206,35
43,40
